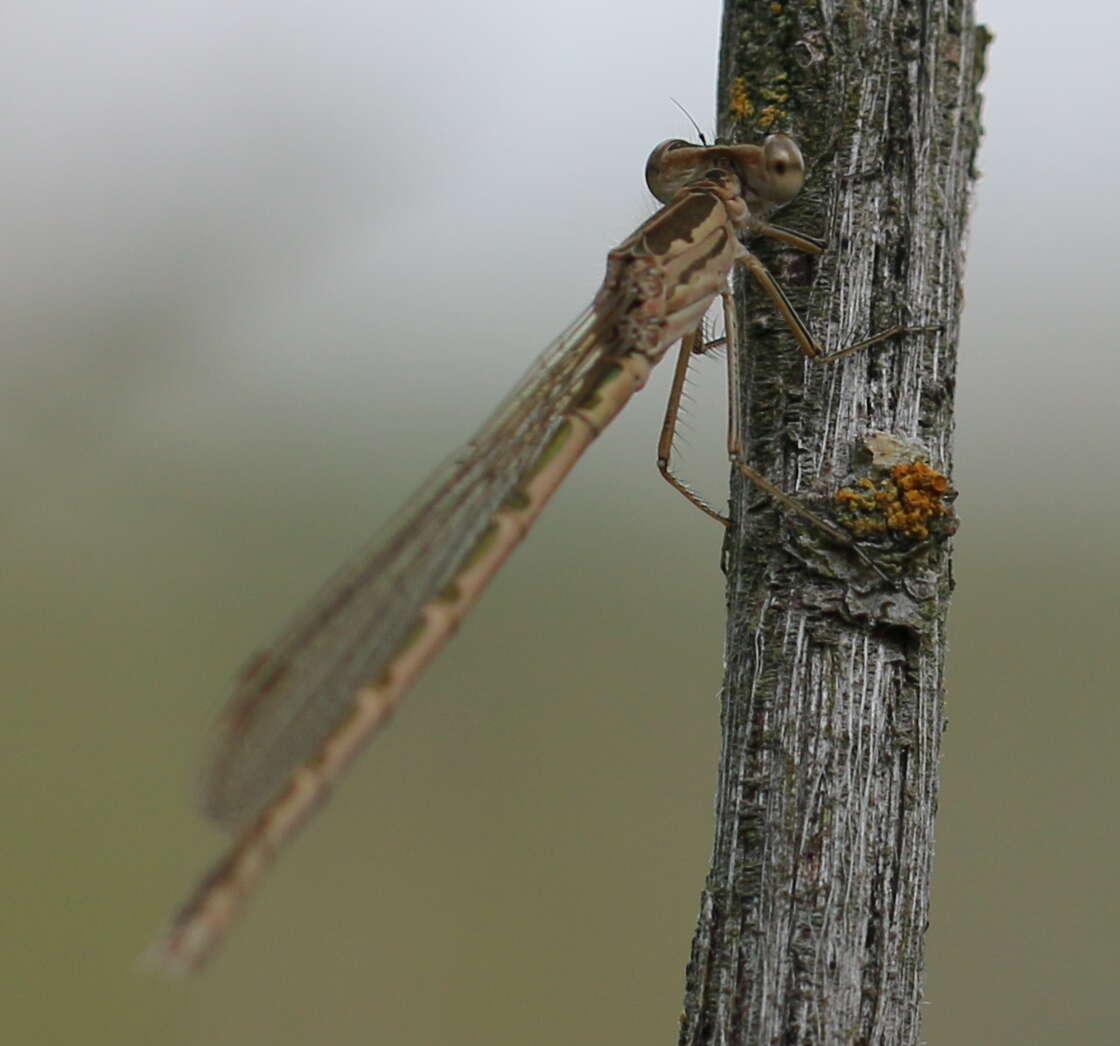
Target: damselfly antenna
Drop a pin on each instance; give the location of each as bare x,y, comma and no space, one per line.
688,115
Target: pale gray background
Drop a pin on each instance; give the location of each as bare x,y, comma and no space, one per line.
264,264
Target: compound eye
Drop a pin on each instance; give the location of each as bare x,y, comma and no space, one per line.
672,165
784,166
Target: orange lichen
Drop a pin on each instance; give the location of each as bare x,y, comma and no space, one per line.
739,104
743,107
779,93
769,116
902,504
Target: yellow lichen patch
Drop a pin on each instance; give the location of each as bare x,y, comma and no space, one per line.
779,93
903,504
740,105
769,116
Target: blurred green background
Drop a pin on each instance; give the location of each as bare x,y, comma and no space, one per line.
267,264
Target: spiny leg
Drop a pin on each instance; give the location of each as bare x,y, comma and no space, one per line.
691,345
799,240
805,340
735,451
809,345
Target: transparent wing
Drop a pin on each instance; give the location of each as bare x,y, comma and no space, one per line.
292,696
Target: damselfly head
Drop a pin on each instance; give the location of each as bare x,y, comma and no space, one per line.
771,173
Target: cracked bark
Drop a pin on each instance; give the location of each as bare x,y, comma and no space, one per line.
813,917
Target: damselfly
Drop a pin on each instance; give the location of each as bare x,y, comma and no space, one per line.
305,707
